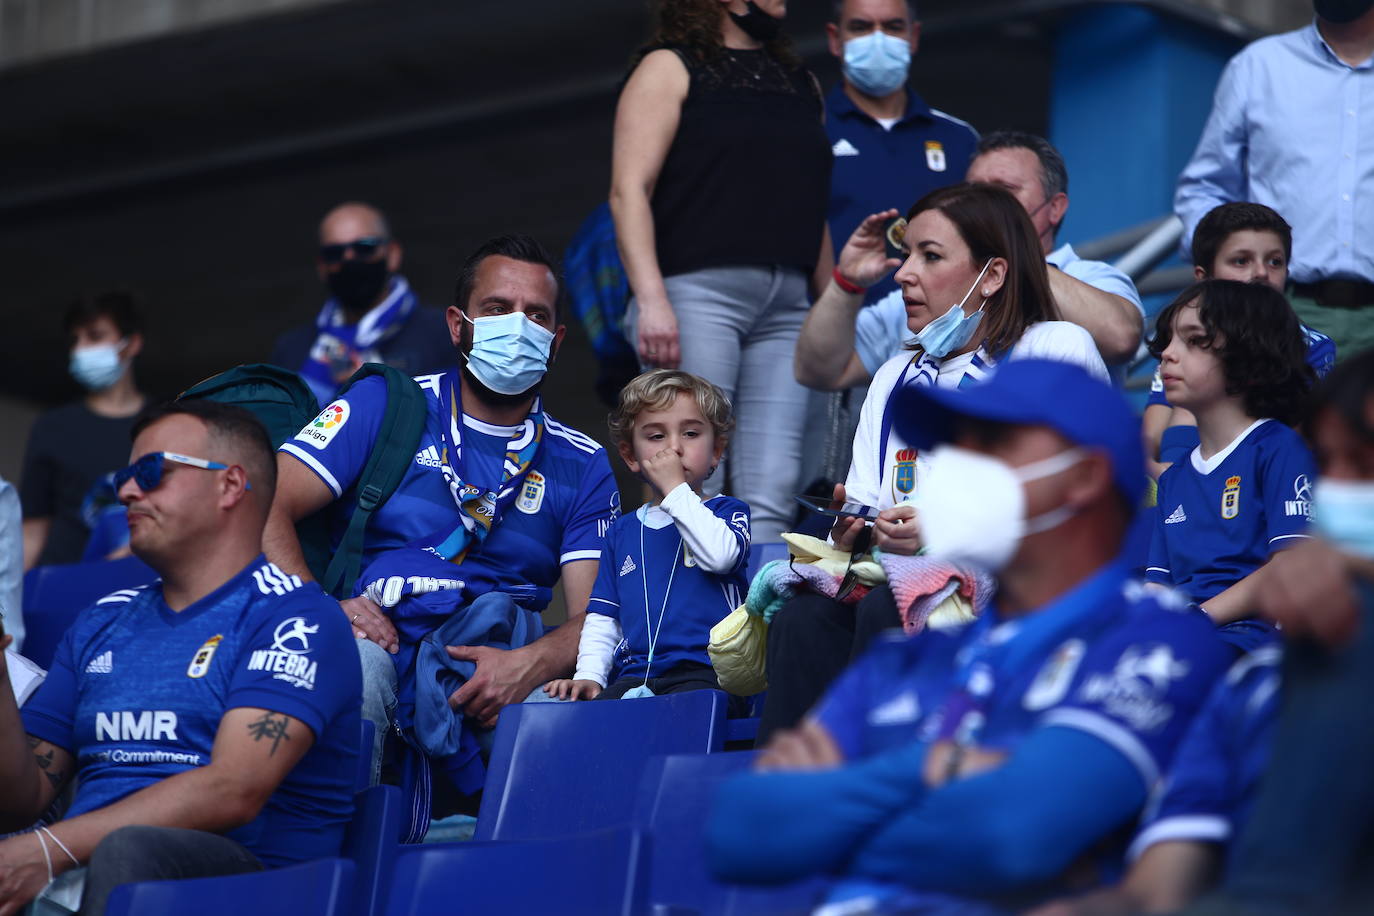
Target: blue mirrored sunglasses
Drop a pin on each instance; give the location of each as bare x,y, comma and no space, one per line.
147,471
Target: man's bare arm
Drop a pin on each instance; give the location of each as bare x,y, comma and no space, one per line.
826,358
1114,323
32,771
299,493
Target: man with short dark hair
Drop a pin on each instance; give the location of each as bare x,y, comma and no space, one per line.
71,447
842,345
371,316
500,497
999,760
890,147
210,720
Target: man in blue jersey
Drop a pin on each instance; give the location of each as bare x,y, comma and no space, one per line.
210,720
1001,759
503,492
1187,837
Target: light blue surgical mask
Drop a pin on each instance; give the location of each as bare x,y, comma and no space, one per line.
953,329
510,353
876,64
1343,513
97,367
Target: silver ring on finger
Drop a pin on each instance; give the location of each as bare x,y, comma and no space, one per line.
355,618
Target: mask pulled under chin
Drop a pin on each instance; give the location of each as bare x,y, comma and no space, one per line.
757,24
972,508
953,330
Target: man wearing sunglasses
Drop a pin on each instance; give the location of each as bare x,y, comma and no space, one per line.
210,720
371,316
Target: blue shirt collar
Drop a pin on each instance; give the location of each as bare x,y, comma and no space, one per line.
1324,52
842,106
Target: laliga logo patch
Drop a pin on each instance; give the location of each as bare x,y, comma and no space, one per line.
935,155
323,428
531,493
200,662
1230,498
904,473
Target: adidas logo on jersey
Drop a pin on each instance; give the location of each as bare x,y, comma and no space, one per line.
628,566
429,457
844,148
102,663
1178,515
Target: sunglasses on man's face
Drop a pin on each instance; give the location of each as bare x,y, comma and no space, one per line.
147,471
363,250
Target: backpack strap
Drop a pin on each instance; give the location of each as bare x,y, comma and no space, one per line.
392,451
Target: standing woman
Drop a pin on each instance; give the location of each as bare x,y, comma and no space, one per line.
720,180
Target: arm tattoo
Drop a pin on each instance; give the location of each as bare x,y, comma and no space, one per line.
45,762
270,726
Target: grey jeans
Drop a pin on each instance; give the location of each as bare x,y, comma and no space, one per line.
738,328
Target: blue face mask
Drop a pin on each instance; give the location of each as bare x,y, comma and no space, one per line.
1343,513
877,63
952,330
510,353
97,367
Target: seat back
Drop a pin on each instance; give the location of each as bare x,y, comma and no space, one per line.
673,802
323,887
596,874
55,595
371,843
764,552
558,769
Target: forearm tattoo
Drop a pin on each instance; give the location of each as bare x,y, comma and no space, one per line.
45,761
270,727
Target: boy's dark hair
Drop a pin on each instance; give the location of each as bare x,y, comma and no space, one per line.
120,307
1347,390
235,433
517,247
1258,339
1221,222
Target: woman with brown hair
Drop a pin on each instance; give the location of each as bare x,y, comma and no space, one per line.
976,294
720,182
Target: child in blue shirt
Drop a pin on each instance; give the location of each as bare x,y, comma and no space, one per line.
1235,241
673,569
1234,355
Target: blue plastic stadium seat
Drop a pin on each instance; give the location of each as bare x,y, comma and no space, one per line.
564,768
762,553
675,794
323,887
54,595
371,842
596,874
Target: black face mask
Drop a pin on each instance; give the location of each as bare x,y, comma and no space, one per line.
757,24
357,284
1342,11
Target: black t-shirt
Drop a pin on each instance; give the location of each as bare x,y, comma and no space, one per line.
70,447
747,179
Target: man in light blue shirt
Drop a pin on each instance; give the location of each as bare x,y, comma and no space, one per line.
1292,127
842,344
11,564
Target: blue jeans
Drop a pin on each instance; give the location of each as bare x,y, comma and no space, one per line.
379,698
738,328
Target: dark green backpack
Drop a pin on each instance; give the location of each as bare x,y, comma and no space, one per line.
284,404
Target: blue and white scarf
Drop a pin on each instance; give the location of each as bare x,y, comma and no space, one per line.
922,372
480,510
341,348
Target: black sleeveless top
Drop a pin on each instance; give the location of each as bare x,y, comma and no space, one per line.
747,179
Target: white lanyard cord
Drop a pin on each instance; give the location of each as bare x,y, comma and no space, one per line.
644,577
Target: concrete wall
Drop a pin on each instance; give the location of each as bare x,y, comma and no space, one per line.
31,30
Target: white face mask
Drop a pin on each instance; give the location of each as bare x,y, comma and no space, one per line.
972,508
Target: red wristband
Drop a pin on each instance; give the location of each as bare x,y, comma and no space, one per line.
845,285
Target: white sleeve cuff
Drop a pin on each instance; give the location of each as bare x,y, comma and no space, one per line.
1114,734
310,461
1197,828
714,543
596,648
